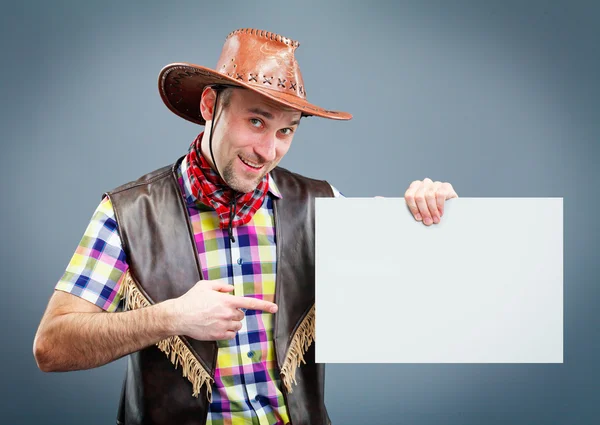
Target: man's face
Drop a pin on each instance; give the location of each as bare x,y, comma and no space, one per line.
252,134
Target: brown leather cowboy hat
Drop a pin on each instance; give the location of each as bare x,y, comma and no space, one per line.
258,60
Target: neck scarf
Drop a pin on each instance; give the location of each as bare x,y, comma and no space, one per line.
234,208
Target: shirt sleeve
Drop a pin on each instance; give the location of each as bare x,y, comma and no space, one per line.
336,193
98,264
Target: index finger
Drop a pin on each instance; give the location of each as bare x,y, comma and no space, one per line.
409,197
252,304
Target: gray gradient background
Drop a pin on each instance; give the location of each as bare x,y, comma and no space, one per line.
500,99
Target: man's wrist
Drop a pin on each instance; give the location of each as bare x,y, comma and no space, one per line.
169,317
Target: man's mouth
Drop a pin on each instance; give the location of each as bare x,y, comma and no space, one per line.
250,164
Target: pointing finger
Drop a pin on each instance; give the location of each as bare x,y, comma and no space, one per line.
253,304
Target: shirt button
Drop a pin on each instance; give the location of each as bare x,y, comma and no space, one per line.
250,354
240,261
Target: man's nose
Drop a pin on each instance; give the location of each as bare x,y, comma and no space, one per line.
266,148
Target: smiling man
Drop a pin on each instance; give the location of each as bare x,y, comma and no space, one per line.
207,265
255,133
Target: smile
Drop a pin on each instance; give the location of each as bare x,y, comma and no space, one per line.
250,163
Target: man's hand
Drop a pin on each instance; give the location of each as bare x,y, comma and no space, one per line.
207,312
426,199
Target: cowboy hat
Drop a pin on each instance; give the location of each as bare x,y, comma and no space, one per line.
260,61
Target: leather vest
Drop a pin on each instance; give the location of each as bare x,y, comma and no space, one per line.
157,237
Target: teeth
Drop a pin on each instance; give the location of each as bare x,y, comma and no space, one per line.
251,164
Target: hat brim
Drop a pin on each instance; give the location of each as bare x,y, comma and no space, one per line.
181,86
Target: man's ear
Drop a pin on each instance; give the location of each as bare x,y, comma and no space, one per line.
207,103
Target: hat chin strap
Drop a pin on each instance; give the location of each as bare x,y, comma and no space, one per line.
234,195
212,128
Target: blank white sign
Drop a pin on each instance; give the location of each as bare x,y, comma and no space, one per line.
483,286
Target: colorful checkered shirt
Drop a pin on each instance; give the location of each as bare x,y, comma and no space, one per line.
247,386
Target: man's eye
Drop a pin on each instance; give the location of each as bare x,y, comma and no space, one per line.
255,122
287,131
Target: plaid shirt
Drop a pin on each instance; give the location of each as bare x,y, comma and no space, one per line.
247,387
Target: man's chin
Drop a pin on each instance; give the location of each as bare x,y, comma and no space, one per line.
242,183
243,187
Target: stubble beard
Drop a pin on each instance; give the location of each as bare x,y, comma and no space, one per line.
237,184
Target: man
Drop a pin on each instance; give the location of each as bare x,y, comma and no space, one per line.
212,258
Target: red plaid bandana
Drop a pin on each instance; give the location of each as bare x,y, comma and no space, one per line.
210,189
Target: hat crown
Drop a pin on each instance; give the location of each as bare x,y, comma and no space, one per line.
256,60
263,59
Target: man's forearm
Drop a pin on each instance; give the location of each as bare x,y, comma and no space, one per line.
77,341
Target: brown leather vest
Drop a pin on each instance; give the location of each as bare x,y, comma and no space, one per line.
157,237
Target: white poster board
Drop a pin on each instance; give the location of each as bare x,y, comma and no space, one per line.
483,286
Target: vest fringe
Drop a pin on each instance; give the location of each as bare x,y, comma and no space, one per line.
174,347
303,337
